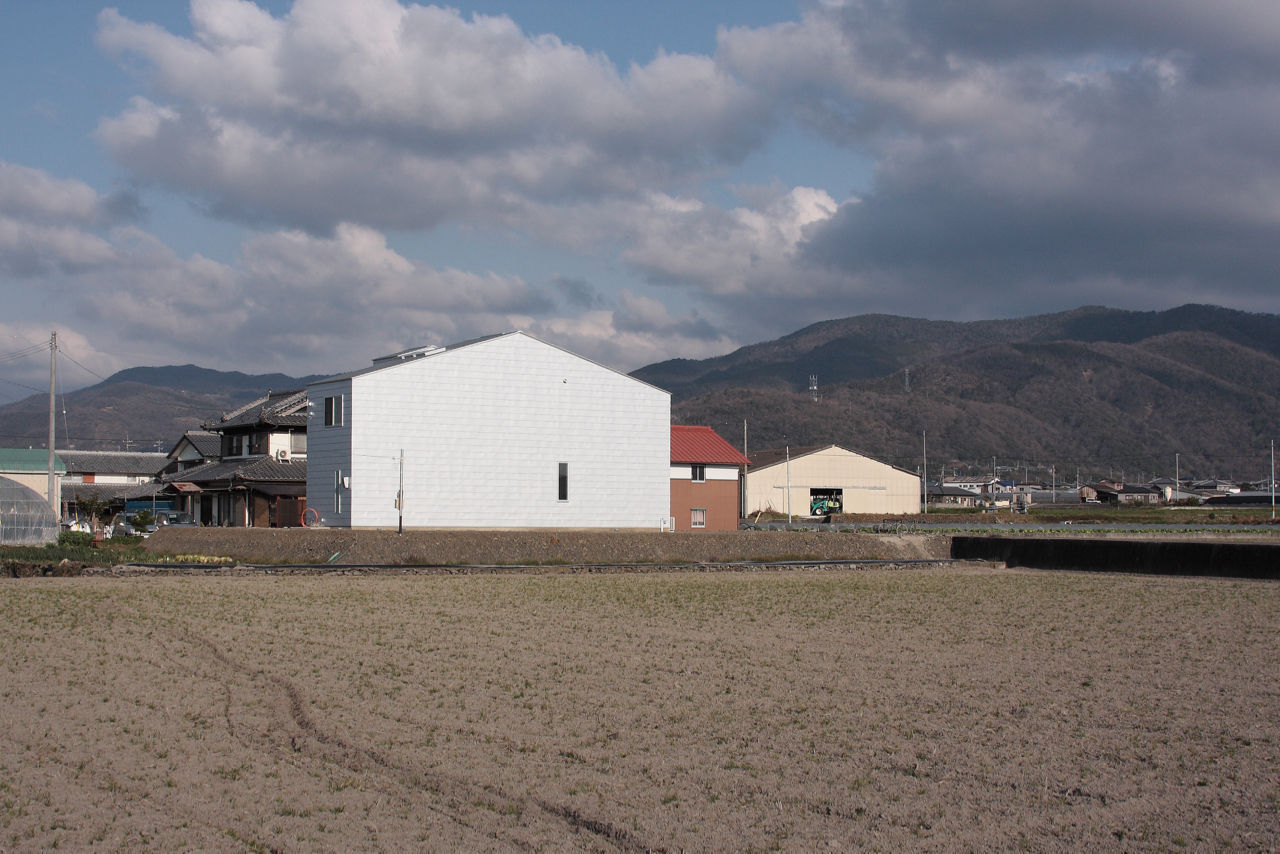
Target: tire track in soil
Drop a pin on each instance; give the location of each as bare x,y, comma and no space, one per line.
453,789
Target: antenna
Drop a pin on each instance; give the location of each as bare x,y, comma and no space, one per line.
813,387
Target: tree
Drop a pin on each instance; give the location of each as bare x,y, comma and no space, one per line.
92,505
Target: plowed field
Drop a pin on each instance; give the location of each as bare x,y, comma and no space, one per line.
966,708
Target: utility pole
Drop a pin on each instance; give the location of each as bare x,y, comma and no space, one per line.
788,484
1273,480
53,371
1177,476
924,450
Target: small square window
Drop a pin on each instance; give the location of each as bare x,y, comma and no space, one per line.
698,517
699,472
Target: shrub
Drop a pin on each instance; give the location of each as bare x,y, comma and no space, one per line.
75,539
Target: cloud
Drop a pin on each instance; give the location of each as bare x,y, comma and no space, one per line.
403,117
291,301
1026,154
579,293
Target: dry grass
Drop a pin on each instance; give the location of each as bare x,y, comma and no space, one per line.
958,709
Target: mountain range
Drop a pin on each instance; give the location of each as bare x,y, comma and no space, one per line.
1126,394
1105,391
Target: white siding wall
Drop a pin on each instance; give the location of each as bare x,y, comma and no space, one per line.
329,451
483,429
681,471
869,486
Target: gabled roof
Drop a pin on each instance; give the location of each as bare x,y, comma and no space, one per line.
955,491
763,459
697,444
116,462
205,442
276,409
29,459
774,456
414,354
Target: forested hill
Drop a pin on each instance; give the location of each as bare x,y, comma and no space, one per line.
1110,391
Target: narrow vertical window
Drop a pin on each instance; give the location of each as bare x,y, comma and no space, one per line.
333,411
564,481
698,517
699,473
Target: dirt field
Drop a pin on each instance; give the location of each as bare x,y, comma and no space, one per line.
297,545
954,709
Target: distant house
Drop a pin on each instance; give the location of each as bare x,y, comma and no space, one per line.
706,480
982,485
825,479
952,496
259,477
117,477
1215,486
506,431
1112,492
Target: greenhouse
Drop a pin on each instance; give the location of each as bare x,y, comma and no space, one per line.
26,519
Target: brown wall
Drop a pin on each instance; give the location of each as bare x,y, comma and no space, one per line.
719,497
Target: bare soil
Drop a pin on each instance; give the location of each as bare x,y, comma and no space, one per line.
965,708
538,548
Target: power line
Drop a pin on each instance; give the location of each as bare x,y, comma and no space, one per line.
90,370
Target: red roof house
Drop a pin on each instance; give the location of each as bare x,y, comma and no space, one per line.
706,478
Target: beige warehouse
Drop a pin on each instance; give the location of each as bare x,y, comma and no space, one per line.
828,479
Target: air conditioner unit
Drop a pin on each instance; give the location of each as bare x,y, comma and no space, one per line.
282,455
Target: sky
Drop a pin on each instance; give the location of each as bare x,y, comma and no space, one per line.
303,186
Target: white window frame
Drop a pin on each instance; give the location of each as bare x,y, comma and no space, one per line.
698,517
698,472
333,411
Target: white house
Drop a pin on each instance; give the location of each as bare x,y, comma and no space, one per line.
816,481
501,432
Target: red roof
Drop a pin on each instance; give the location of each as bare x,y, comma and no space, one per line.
690,444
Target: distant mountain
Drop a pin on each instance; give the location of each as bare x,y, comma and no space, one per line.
1109,391
147,408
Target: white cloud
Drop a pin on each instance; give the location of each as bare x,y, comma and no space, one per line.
731,252
395,116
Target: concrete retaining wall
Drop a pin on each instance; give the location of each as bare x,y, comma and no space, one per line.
1157,557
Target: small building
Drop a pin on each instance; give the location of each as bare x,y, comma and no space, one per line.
945,495
1113,492
826,479
506,431
706,480
981,485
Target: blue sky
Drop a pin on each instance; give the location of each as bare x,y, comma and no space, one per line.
300,186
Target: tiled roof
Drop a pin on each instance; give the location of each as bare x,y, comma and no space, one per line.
110,491
276,409
255,469
29,459
695,444
206,443
115,462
